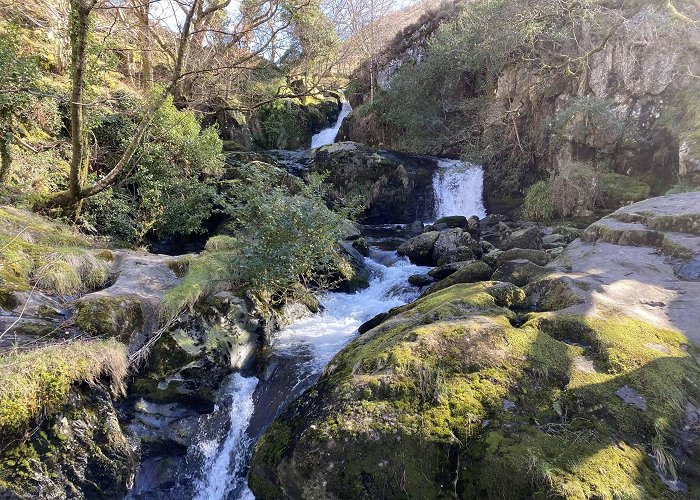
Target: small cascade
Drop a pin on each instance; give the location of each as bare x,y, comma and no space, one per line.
458,188
296,359
327,136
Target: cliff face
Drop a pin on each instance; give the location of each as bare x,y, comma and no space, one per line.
616,91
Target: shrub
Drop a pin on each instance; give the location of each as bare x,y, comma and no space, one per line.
279,239
538,205
576,189
171,189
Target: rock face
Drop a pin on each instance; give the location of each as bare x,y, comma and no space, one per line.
459,394
395,187
628,108
129,308
81,452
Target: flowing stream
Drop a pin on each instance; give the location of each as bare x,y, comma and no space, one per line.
295,361
248,404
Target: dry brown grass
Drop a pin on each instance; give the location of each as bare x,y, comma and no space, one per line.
35,384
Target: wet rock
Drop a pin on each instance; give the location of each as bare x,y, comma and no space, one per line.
442,272
570,233
519,272
453,221
471,272
414,228
420,248
539,257
420,280
361,246
528,238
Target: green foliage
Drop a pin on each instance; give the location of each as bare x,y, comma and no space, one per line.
171,189
18,73
538,205
279,239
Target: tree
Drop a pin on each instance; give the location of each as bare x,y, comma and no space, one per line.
195,26
18,74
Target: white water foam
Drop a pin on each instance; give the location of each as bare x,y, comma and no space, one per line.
327,136
311,343
458,188
222,474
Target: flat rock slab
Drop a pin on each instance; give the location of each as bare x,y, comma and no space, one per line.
632,275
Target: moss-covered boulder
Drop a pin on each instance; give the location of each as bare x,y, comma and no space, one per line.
108,315
519,272
539,257
528,238
620,190
468,273
446,398
393,187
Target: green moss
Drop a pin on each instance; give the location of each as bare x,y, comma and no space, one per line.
427,389
620,190
115,316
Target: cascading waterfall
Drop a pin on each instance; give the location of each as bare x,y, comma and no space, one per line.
327,136
299,354
458,188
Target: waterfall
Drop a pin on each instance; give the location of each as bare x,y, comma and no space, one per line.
298,355
327,136
458,188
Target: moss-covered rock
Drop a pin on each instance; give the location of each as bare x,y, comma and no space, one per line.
620,190
539,257
446,398
528,238
519,272
468,273
117,316
420,248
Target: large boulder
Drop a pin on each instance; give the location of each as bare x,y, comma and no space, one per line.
420,248
520,272
539,257
455,245
468,273
528,238
395,187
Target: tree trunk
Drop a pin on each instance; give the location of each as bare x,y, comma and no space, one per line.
5,142
80,152
143,13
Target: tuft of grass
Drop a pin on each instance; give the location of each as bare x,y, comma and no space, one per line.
35,251
36,383
538,205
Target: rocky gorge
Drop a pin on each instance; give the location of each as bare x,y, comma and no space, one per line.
366,309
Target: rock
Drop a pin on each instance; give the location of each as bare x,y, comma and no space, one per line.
486,247
414,228
473,227
361,246
519,272
554,293
554,240
442,272
491,258
493,220
539,257
395,186
631,397
570,233
506,294
420,280
420,248
468,273
528,238
455,245
128,309
350,230
79,451
353,275
453,221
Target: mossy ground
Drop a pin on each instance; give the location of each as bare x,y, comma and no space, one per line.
448,398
